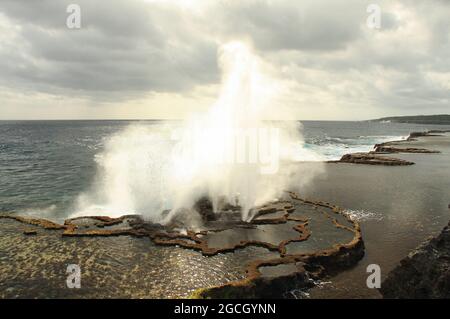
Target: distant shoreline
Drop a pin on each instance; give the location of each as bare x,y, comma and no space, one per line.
440,119
420,119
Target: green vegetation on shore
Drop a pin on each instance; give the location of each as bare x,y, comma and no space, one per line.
441,119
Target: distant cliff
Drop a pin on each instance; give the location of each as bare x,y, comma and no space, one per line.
441,119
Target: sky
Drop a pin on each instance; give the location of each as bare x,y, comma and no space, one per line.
144,59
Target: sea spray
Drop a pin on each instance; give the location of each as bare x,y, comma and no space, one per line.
231,154
131,174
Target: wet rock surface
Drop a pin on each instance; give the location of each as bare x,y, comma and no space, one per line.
129,257
424,273
372,159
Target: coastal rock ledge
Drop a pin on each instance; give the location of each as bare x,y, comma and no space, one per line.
424,273
371,159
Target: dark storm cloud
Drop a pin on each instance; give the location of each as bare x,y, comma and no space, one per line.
294,25
122,46
126,49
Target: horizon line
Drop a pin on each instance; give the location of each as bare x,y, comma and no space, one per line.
181,119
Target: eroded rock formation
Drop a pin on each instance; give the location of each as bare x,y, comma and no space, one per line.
392,149
372,159
376,157
424,273
282,228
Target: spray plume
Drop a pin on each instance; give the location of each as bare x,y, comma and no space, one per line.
231,154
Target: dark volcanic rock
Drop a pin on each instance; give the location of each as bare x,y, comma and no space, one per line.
417,134
371,159
225,210
425,273
205,208
391,149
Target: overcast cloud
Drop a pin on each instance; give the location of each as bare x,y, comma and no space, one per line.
143,59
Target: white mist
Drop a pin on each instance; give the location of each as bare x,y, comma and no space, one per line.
230,154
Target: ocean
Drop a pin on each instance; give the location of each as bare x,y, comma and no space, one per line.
45,165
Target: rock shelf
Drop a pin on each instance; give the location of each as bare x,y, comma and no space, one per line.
377,156
276,227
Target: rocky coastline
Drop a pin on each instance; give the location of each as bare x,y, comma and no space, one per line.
224,233
372,159
424,273
378,155
285,270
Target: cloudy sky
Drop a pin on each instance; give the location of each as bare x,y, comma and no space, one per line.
158,59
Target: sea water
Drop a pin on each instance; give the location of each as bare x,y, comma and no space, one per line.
46,165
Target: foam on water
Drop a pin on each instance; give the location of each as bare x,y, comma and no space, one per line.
363,215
